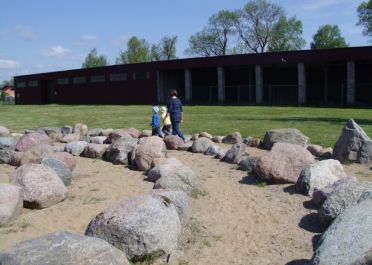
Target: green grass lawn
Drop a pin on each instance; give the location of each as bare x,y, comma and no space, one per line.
322,125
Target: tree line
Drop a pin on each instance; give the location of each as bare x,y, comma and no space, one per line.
260,26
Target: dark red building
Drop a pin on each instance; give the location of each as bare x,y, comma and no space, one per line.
339,77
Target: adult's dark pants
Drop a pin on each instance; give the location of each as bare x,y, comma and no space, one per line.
176,129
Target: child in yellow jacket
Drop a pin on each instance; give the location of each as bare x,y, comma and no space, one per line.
167,125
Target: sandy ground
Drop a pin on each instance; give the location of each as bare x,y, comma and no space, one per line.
234,222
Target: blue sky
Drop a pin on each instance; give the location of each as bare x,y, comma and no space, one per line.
49,35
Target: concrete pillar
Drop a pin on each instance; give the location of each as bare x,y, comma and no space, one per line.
259,84
301,83
350,93
188,86
221,85
160,87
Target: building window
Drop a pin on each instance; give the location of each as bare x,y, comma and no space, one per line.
79,80
21,84
33,83
97,78
118,77
141,75
62,81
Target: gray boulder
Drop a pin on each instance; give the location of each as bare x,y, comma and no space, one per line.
344,196
249,164
349,145
98,139
11,203
63,248
319,196
31,140
60,168
141,226
106,132
348,238
163,169
95,150
75,148
94,132
67,129
319,175
119,152
180,200
40,184
4,132
49,130
80,129
283,163
233,138
183,178
217,139
6,156
64,157
118,135
252,142
7,143
173,142
288,135
216,151
148,149
201,145
206,135
236,153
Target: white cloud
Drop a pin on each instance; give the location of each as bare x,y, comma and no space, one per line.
88,37
56,51
25,32
8,64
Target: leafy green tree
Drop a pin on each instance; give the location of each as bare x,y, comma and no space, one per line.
365,17
257,24
165,50
214,38
138,51
94,60
287,35
328,36
9,82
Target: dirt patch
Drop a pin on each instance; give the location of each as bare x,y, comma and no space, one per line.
236,221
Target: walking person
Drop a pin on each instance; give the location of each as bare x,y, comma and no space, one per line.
167,124
175,113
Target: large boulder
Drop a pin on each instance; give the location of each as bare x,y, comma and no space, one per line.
40,184
173,142
56,137
180,200
68,138
118,135
94,132
11,203
31,140
64,157
141,226
283,163
98,139
344,196
134,132
249,164
148,149
7,143
75,148
4,132
146,133
236,153
201,145
119,152
163,169
183,178
206,135
36,154
350,144
348,238
95,150
233,138
80,129
216,151
319,175
63,248
319,196
288,135
60,168
106,132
